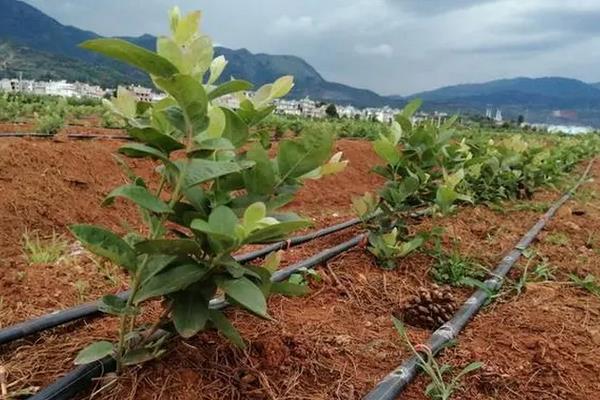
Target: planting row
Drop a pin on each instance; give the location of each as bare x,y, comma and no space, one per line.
220,187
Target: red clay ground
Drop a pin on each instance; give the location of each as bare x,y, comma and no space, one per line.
333,344
88,127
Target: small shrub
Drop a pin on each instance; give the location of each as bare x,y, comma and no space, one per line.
219,190
50,124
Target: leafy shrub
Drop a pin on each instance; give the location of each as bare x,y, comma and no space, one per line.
112,121
50,124
218,193
423,168
431,167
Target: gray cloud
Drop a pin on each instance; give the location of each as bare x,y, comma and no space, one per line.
434,7
390,46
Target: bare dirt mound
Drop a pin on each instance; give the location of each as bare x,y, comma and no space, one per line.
47,185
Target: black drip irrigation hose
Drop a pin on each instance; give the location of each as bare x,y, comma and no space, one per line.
25,134
82,377
79,136
391,386
58,318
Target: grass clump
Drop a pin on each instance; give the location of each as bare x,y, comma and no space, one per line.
43,250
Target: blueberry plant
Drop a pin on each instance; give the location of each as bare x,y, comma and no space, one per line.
219,190
430,167
423,169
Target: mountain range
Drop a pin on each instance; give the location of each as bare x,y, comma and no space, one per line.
39,47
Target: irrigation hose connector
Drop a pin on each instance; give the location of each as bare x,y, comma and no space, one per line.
395,382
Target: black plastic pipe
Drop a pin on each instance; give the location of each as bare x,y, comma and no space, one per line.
82,377
80,136
24,134
58,318
391,386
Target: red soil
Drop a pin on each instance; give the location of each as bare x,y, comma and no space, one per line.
335,343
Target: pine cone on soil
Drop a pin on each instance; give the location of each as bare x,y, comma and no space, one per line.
429,309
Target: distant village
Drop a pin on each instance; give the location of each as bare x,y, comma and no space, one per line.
306,107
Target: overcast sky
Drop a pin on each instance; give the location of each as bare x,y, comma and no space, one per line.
390,46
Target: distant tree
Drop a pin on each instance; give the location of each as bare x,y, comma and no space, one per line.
520,119
357,116
331,111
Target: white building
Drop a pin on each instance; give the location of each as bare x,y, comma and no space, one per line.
498,117
348,111
287,107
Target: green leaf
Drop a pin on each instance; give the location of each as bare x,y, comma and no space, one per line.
187,27
247,294
94,352
167,48
197,57
156,139
408,247
277,231
412,107
282,86
169,246
171,280
298,157
139,356
261,178
214,144
235,129
272,261
106,244
200,171
154,265
216,69
217,122
140,196
125,104
223,239
132,54
386,150
226,328
253,214
229,87
114,305
251,115
190,309
139,150
223,220
471,367
445,197
190,95
289,289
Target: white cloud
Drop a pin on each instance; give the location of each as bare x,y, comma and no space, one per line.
382,49
288,25
420,44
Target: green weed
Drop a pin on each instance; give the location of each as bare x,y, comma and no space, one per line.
441,386
40,250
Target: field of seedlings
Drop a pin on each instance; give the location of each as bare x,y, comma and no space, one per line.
186,250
